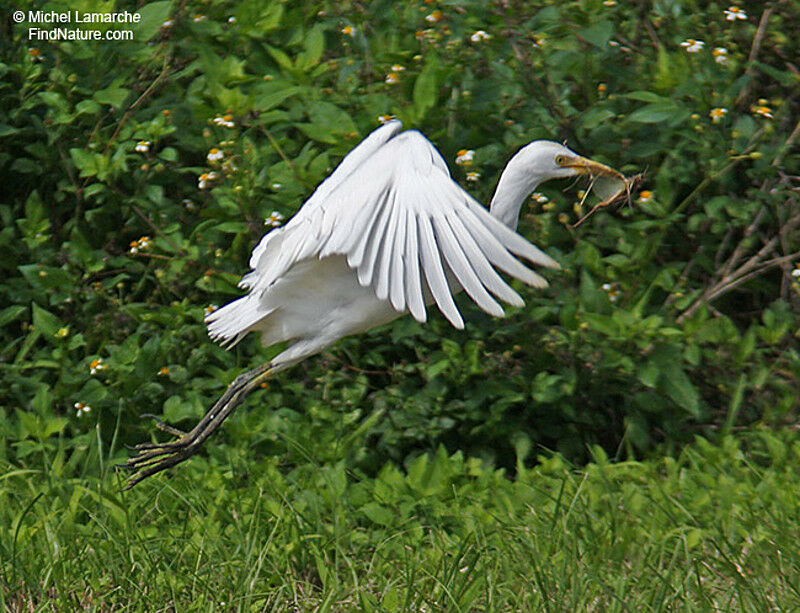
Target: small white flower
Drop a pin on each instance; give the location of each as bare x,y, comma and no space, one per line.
231,19
796,272
717,114
464,157
392,78
214,155
96,366
348,31
540,198
143,146
720,55
276,186
763,110
223,120
734,12
610,2
210,309
693,46
473,175
199,18
204,179
480,35
385,118
398,68
645,196
168,23
611,290
274,220
435,16
81,408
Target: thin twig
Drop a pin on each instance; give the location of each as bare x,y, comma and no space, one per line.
157,230
551,104
145,94
749,270
754,48
285,158
683,276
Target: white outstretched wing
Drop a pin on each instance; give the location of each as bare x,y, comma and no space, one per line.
406,228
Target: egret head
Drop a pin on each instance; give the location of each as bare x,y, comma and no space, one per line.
543,160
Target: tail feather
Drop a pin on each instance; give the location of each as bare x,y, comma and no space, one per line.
232,322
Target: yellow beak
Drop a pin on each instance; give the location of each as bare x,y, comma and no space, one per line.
585,166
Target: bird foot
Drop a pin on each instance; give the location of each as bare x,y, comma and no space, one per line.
152,458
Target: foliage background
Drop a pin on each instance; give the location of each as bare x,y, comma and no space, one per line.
673,317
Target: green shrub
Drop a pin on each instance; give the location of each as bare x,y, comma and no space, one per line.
676,315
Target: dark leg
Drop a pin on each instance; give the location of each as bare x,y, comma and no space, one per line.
153,458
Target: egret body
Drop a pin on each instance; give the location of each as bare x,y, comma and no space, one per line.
387,233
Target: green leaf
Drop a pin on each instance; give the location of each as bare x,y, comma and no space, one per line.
257,17
674,381
5,130
266,96
283,60
45,322
313,46
331,116
89,164
644,96
113,96
657,113
153,15
379,514
599,33
11,313
319,133
596,116
426,88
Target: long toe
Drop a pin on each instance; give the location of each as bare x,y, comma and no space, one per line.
151,459
163,426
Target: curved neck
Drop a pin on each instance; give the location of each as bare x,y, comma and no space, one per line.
515,185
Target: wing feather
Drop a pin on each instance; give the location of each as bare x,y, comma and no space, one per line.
407,230
383,270
462,269
481,264
498,255
397,273
356,257
414,298
374,242
434,273
512,241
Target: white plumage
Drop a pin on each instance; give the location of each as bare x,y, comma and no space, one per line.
388,233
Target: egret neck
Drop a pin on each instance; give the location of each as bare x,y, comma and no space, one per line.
516,183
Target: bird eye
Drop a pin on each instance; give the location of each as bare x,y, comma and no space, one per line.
561,160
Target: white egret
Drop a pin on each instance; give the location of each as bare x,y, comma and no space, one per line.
387,233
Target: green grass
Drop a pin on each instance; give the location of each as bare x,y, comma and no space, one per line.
715,529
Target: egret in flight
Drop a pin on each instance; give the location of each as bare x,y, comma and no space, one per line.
386,234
